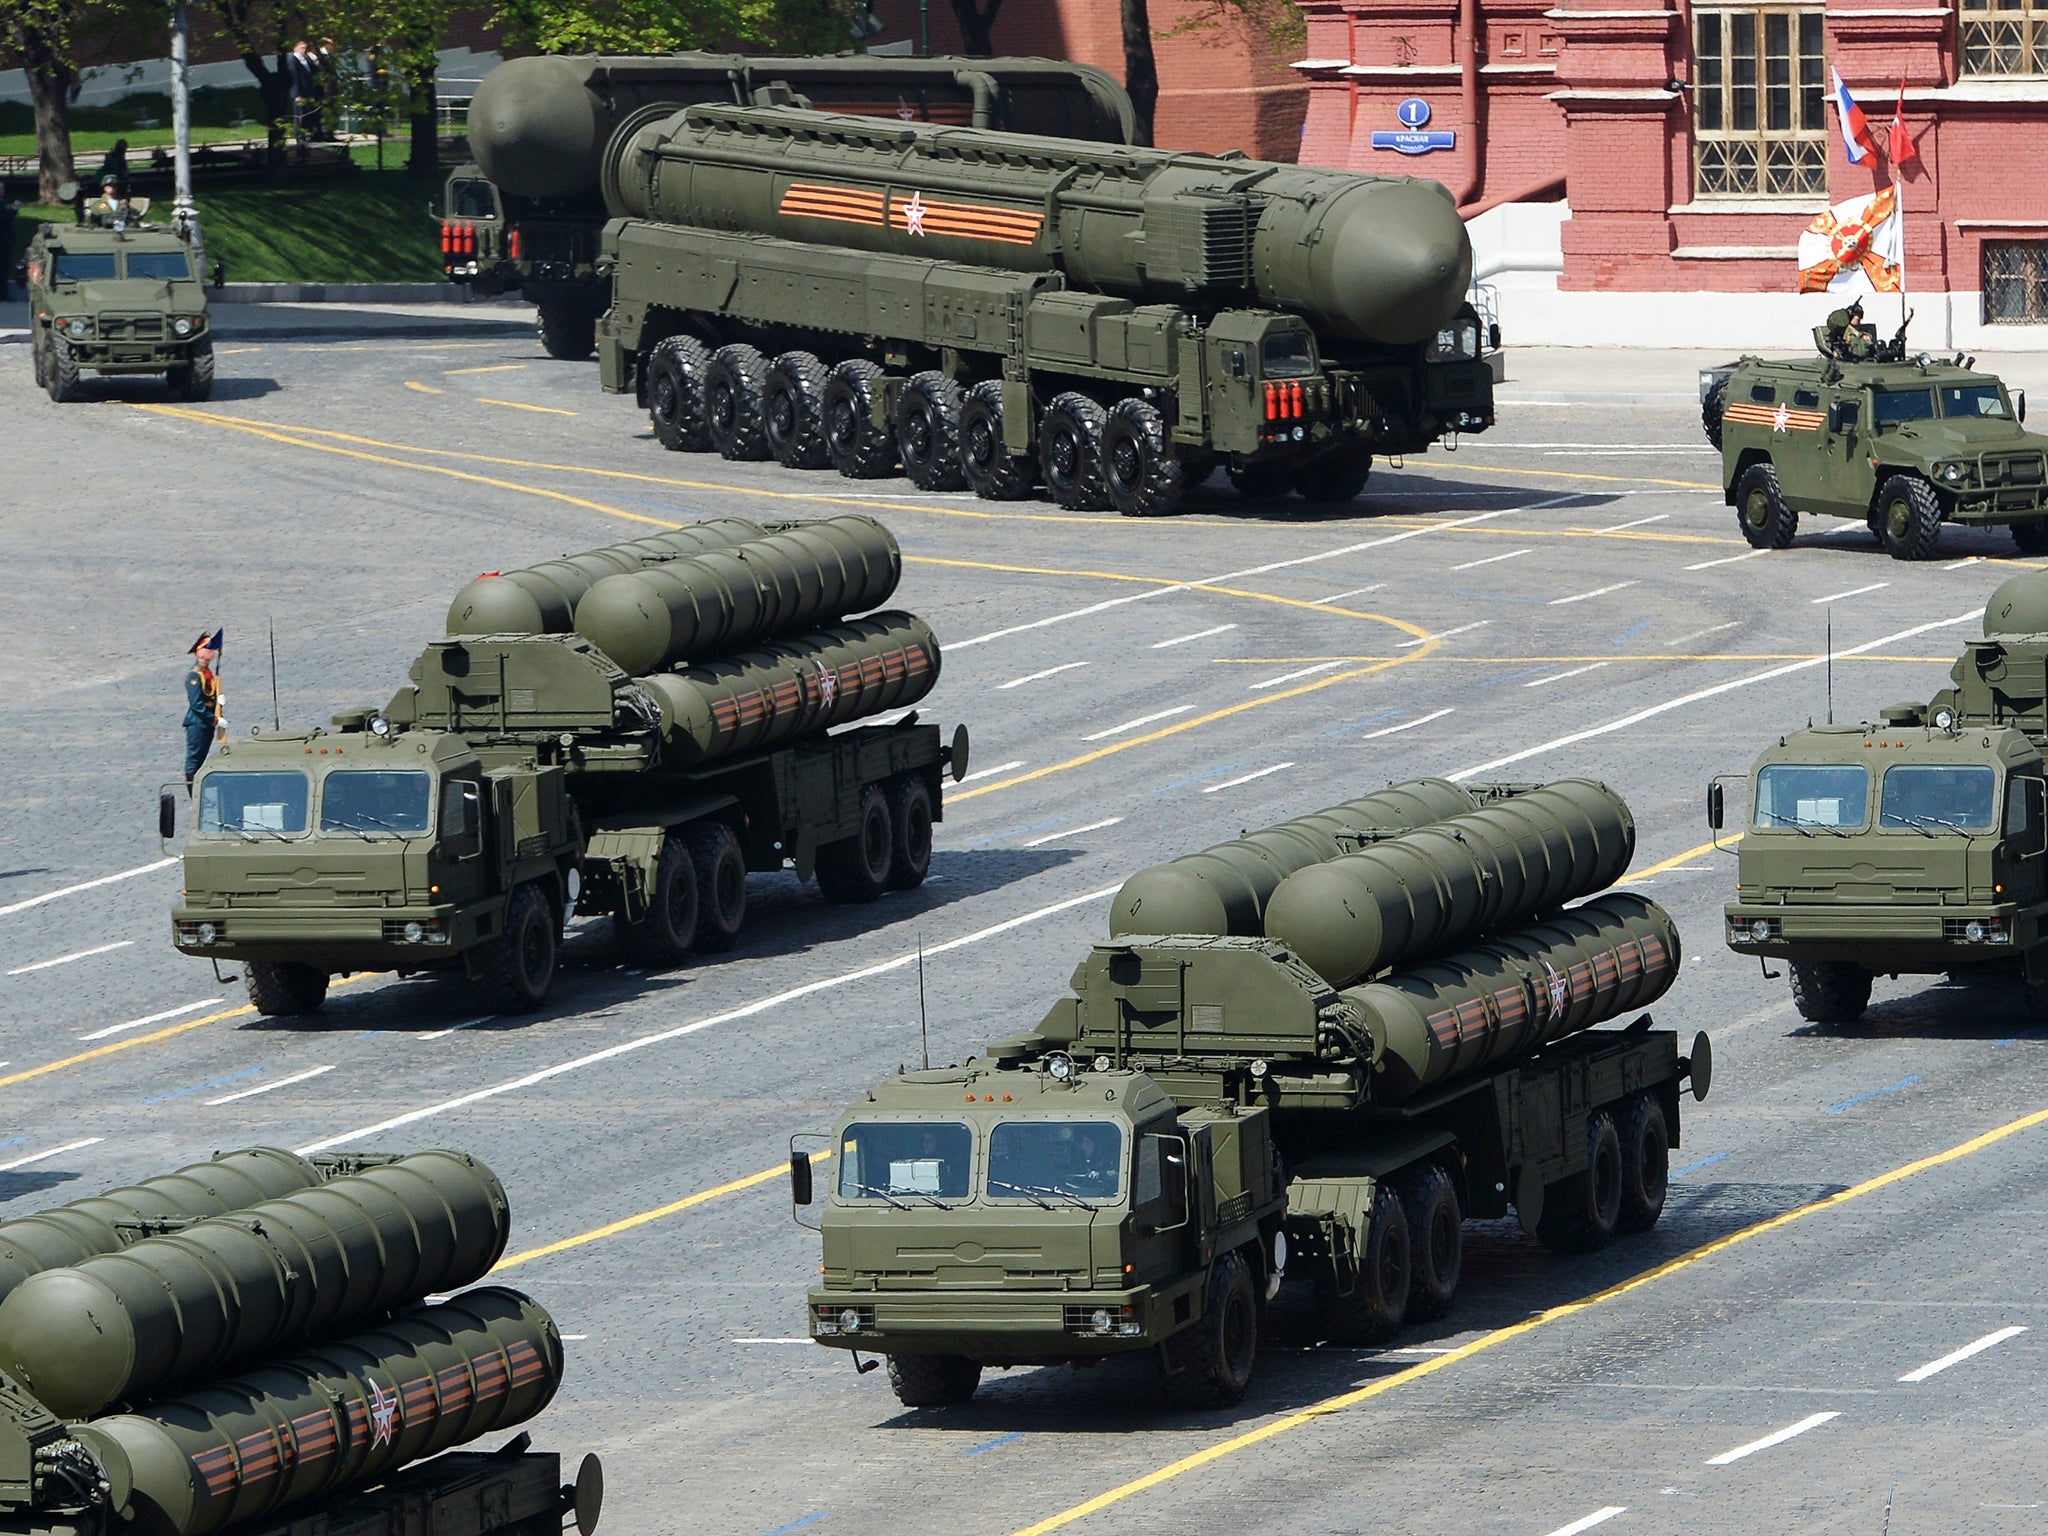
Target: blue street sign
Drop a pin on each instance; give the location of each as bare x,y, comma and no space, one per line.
1414,143
1413,112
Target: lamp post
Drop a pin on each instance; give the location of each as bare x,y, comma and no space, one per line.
183,214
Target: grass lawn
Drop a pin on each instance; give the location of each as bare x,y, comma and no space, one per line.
89,145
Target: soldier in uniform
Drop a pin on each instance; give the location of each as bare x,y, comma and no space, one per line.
205,720
1845,341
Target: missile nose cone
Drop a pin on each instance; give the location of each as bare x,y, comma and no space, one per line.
2019,606
534,128
1399,261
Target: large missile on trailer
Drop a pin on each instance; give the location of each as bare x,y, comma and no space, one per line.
541,599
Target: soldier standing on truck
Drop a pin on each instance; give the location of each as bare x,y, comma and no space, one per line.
205,721
1845,341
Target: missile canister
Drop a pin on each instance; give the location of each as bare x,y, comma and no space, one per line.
1516,992
229,1181
1224,889
541,599
225,1291
1443,884
794,687
797,578
348,1413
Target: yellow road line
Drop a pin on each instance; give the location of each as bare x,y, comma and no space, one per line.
1500,1336
486,368
516,405
1686,857
1579,474
425,389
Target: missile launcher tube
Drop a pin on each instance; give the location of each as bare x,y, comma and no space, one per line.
2019,606
1224,890
1516,992
1426,890
798,578
223,1292
348,1413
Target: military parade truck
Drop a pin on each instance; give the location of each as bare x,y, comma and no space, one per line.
1373,1027
527,215
1904,443
992,309
254,1345
626,731
116,295
1913,845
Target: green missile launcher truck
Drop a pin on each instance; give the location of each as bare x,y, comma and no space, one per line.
1206,1117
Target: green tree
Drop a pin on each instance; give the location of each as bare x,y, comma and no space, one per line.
660,26
977,26
262,33
43,38
406,37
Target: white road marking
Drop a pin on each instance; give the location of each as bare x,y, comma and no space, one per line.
1638,448
1778,1437
989,773
1708,565
1635,523
1210,789
1637,718
37,1157
1053,837
1972,560
1132,725
764,1341
85,885
1354,592
1560,676
1473,565
1936,1367
745,1011
1200,634
1580,597
154,1018
442,1034
83,954
1409,645
1598,1517
1288,677
1389,730
578,1338
1701,634
282,1082
1841,528
1875,586
1019,682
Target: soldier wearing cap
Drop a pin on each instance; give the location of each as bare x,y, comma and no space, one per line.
1845,340
205,719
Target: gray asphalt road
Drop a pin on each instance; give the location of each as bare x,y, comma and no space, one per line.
1566,595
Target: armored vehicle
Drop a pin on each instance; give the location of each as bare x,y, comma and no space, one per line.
527,215
117,295
990,310
639,764
1904,443
1354,1052
249,1345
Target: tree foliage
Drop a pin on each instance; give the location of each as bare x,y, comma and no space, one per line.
43,38
977,26
660,26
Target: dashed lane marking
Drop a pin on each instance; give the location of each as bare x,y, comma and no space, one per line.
39,1157
1054,837
520,405
1587,1522
485,368
78,954
1200,634
1836,597
1142,720
1244,778
154,1018
1778,1437
85,885
1033,677
1957,1357
282,1082
424,389
1473,565
1406,725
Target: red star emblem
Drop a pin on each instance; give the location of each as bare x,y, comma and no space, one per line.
913,214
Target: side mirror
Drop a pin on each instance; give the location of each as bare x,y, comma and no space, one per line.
800,1189
472,810
2019,405
1716,805
1842,416
220,275
167,815
1493,336
1236,364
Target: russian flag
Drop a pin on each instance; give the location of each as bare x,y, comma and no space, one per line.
1856,137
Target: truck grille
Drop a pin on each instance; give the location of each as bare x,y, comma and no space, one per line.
131,327
2018,470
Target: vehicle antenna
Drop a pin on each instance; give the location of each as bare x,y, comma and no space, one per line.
924,1037
1831,664
1889,1494
275,724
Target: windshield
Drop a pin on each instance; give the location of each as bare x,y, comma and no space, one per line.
1953,798
1290,355
252,802
473,199
1973,400
1897,405
879,1159
1055,1157
360,800
1812,795
161,265
81,267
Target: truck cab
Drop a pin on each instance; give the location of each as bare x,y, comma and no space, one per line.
117,295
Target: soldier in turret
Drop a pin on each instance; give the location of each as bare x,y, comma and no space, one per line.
1846,340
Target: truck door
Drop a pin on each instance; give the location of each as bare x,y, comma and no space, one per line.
460,843
1846,464
1797,425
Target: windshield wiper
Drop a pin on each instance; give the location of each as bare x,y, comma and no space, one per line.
875,1189
1034,1190
1774,819
360,816
1022,1189
1915,823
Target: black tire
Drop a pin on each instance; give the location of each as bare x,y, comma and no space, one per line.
675,393
666,934
1140,474
1261,482
928,432
1909,517
2035,995
1645,1164
987,466
193,378
284,989
1338,478
60,372
1209,1364
514,971
1580,1211
2031,538
1710,413
857,868
1070,453
857,447
566,332
933,1381
735,381
910,826
721,885
1372,1311
1436,1240
1829,991
1760,510
792,411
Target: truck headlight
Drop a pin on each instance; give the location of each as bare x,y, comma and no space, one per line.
181,326
76,326
1951,473
414,932
1104,1320
1974,932
849,1321
208,933
1760,929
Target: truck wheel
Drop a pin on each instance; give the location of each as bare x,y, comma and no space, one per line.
1260,482
1645,1164
910,825
1830,991
933,1381
675,393
1070,453
1140,474
1436,1240
566,332
858,868
792,411
2031,538
721,885
858,448
1580,1211
1338,478
1710,413
1909,517
735,381
515,970
60,373
1767,523
1209,1365
987,466
1373,1310
193,378
928,432
664,935
284,989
